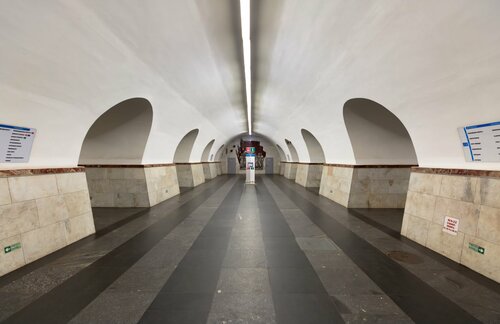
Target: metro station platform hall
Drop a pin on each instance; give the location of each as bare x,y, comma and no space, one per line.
249,161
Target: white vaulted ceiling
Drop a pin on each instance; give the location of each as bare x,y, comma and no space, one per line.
434,64
64,63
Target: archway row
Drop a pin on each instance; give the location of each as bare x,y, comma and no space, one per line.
113,153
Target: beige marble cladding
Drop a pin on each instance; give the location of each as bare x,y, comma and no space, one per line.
162,183
213,170
291,171
282,167
309,175
301,174
218,167
198,175
474,200
117,186
190,174
134,186
210,170
42,213
336,183
381,187
365,187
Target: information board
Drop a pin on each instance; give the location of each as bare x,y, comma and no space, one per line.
16,143
481,143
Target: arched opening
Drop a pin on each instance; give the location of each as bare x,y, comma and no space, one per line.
283,159
206,151
218,155
185,147
377,135
316,154
293,151
281,153
209,169
290,170
382,145
119,136
111,152
189,174
309,174
267,156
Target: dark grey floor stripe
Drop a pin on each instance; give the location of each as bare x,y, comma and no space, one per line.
419,301
298,294
68,299
187,295
21,272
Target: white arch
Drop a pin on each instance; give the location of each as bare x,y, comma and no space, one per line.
206,152
219,153
377,135
293,151
119,135
185,147
281,153
316,154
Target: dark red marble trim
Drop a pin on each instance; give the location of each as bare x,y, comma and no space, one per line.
127,165
188,163
307,163
462,172
368,166
30,172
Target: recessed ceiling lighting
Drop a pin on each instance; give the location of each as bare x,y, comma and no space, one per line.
245,36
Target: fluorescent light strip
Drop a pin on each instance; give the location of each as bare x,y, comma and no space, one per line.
247,58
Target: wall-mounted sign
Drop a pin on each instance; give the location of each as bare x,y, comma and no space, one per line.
476,248
450,225
481,143
15,143
10,248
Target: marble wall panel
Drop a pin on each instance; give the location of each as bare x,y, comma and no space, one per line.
198,174
301,174
291,171
162,183
117,186
12,260
473,200
365,187
37,217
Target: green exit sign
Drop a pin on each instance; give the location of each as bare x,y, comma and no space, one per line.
476,248
10,248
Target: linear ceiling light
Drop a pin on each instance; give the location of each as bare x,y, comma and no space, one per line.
245,35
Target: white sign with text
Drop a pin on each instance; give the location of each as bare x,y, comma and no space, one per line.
450,225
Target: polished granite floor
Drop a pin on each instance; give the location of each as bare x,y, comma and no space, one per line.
226,252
